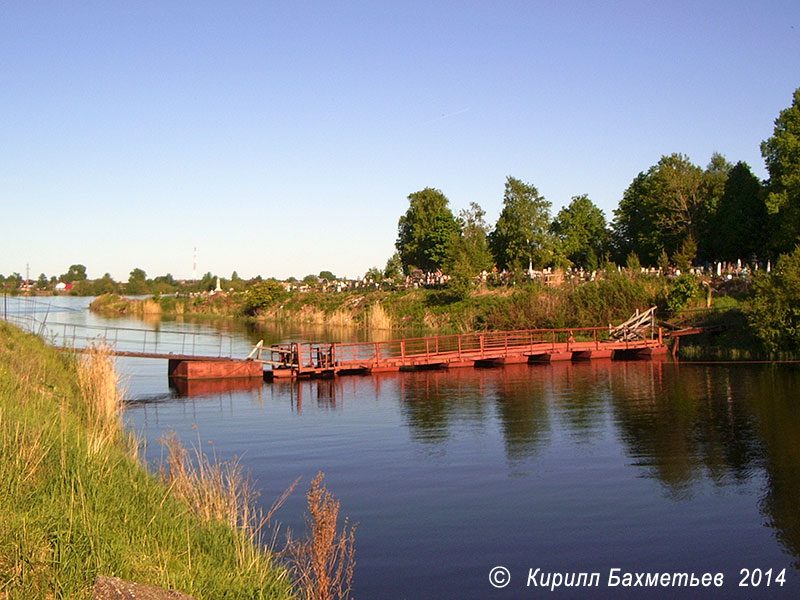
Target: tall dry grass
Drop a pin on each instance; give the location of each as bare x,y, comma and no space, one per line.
323,562
99,384
378,318
23,449
148,306
316,316
217,490
212,489
337,318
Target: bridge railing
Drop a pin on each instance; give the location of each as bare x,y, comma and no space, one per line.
77,336
35,316
140,341
469,346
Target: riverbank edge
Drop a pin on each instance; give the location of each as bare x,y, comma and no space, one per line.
431,311
79,502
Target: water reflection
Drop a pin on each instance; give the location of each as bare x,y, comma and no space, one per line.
523,410
321,393
435,401
207,387
684,427
681,425
777,420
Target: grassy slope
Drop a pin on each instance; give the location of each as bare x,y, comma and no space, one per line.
75,502
526,306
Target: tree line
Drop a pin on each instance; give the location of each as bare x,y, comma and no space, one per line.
139,284
674,212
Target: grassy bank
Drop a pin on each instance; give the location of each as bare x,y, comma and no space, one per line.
76,502
527,306
114,305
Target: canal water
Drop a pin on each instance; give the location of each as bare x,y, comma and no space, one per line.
610,468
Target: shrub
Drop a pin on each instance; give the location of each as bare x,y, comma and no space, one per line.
263,295
774,312
633,264
683,289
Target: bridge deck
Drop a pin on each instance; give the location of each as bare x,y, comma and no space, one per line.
192,355
307,359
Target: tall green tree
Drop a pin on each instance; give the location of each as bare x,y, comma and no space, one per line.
742,220
74,273
521,234
469,252
207,283
715,177
374,274
633,228
425,231
236,283
781,153
473,241
137,283
660,209
104,285
394,268
262,296
581,231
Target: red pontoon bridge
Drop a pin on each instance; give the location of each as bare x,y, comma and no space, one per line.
637,337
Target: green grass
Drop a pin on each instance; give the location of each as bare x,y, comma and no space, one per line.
75,501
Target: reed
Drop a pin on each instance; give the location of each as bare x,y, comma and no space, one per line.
99,385
217,490
114,304
378,318
148,306
337,318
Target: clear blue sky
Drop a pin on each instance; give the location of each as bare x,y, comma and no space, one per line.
283,138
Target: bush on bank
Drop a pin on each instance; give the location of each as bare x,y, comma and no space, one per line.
774,311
